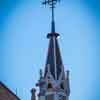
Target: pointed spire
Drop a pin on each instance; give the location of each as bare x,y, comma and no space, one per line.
54,57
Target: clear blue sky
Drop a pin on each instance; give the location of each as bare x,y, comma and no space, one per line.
24,25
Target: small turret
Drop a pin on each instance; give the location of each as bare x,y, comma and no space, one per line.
67,83
41,85
33,97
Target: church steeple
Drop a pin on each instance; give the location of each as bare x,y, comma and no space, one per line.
53,56
54,84
53,21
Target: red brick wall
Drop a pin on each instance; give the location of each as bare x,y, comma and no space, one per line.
5,94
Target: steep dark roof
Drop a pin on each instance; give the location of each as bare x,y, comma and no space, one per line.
3,85
53,57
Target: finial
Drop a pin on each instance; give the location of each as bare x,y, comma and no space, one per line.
41,73
52,4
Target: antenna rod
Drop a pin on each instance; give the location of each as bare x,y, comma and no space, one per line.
52,4
53,21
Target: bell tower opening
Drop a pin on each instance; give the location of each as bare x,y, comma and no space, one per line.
49,86
61,86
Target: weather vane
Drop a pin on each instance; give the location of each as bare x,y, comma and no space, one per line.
51,4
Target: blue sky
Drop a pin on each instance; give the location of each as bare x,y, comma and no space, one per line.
24,25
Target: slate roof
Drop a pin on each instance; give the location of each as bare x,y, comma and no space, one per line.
53,56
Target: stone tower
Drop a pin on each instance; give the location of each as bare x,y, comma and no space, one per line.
54,82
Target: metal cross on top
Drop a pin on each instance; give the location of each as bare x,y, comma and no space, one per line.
52,4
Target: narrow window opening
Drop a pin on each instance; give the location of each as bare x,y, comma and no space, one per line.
49,85
62,86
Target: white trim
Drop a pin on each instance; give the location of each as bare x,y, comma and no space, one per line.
61,73
48,93
55,58
49,73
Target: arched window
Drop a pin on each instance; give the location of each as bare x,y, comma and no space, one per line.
62,86
49,85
